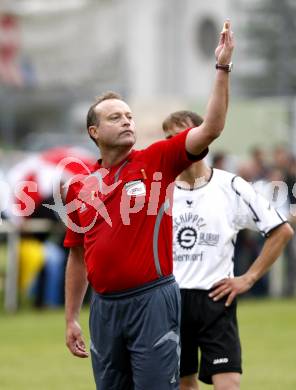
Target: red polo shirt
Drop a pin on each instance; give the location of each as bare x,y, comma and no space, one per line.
122,216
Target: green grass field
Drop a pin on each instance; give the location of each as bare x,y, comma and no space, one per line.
33,355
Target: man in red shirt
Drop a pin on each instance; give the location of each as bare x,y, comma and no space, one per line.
120,239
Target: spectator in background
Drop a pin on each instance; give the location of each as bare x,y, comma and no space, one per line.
265,178
43,258
290,271
248,170
285,163
259,162
281,158
248,244
218,160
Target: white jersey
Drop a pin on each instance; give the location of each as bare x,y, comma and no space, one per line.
206,221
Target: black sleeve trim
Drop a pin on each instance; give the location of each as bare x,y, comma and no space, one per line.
280,217
198,157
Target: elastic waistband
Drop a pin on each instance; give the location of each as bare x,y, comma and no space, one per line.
138,290
195,290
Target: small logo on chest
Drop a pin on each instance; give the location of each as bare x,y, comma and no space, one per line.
135,188
189,203
83,208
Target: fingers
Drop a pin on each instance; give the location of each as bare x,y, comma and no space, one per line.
80,350
221,39
226,26
220,292
230,298
229,39
76,346
224,288
226,35
220,282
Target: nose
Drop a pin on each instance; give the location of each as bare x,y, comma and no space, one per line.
126,121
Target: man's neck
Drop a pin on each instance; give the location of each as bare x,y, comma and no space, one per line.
196,175
113,157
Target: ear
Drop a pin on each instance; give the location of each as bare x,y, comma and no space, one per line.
93,131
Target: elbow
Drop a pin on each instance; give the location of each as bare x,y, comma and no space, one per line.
287,232
215,130
218,132
282,234
214,134
290,232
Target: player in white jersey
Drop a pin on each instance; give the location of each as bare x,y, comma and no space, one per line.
210,207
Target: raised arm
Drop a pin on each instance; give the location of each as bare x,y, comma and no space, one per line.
76,285
200,137
272,248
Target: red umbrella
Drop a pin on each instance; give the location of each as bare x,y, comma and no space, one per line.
32,180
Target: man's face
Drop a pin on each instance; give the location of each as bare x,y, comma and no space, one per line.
116,125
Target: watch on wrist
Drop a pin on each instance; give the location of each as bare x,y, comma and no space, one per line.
227,68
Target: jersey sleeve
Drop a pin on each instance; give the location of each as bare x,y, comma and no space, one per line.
252,210
72,238
171,156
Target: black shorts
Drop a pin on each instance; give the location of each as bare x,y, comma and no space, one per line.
211,328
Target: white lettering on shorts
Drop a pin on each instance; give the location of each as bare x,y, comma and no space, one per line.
220,361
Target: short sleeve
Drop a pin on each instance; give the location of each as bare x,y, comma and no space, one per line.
72,238
252,210
171,156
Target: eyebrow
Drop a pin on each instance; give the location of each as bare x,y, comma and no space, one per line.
120,113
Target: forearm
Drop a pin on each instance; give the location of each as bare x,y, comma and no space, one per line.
200,137
272,248
76,284
217,106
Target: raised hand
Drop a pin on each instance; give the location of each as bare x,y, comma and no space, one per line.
225,46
